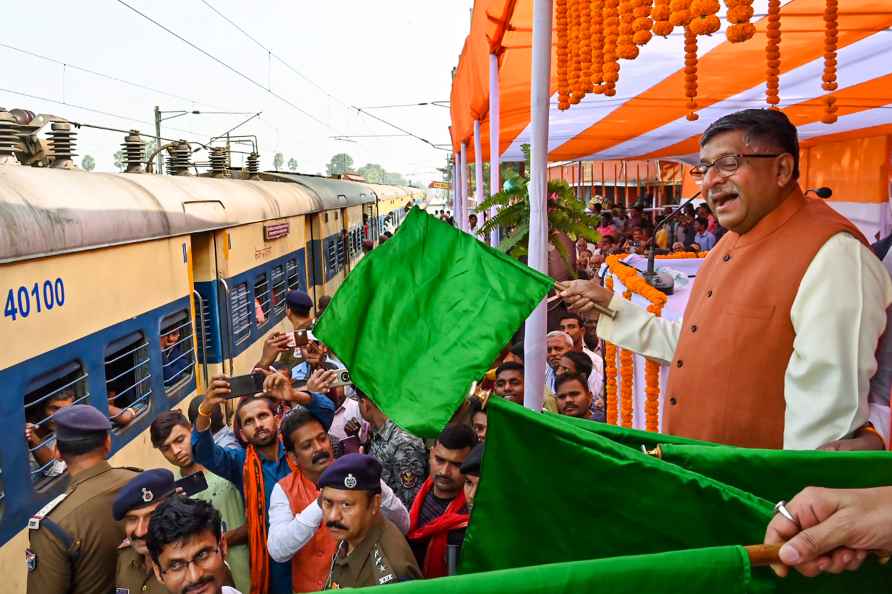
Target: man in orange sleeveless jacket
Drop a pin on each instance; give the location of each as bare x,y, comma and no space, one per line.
776,346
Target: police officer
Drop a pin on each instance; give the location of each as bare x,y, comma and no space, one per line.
134,506
371,549
74,540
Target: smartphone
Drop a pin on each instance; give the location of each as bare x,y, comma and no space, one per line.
343,379
301,338
192,484
350,444
246,385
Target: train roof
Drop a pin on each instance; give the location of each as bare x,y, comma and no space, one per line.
52,211
332,193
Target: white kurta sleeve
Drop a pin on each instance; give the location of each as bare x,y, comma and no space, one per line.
288,533
838,315
393,508
637,330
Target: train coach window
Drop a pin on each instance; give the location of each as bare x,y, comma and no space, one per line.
177,349
262,299
46,395
128,380
280,286
241,313
291,274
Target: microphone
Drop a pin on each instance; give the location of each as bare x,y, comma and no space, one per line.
824,192
659,280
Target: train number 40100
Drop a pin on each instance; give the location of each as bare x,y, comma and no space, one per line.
24,301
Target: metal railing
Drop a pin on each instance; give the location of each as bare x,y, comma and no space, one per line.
185,330
204,332
240,313
80,384
142,378
263,295
280,287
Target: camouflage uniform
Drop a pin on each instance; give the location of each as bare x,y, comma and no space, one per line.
404,460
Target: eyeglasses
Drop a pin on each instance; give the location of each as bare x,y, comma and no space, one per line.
177,569
728,164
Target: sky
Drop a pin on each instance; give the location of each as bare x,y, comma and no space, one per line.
345,53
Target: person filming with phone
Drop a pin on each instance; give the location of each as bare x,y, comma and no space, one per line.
281,346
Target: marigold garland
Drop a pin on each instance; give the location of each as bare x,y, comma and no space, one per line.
610,371
679,13
652,385
597,29
563,54
611,38
575,66
704,19
772,55
739,14
642,23
660,14
627,374
831,32
690,72
625,45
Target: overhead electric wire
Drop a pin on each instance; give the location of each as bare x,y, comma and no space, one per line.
395,127
228,67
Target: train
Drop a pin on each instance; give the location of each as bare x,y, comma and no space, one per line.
128,291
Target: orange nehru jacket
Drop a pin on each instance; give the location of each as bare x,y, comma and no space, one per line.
727,379
310,565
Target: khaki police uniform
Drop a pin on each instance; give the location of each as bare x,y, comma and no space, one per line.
74,540
383,557
133,577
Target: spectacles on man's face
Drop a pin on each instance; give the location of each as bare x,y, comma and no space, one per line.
726,165
177,569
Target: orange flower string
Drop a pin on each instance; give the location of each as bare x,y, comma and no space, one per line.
585,45
642,23
597,29
652,385
660,14
627,372
831,32
573,22
690,72
704,19
625,46
611,38
563,54
679,13
610,371
772,55
739,14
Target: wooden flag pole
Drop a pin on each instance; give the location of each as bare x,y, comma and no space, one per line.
763,554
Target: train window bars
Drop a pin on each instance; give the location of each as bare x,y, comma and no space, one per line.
45,396
279,288
177,349
262,299
331,255
342,250
128,379
291,274
241,313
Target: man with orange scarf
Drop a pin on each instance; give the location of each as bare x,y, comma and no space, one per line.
439,513
296,532
256,469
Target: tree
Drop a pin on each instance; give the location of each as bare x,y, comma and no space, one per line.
292,164
88,163
372,172
278,161
339,164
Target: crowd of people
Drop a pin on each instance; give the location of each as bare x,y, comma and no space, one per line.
308,485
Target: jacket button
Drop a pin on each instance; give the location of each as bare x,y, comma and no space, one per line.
679,363
673,401
709,293
726,257
694,328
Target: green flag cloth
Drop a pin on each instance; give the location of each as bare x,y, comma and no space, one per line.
552,490
633,438
724,570
424,315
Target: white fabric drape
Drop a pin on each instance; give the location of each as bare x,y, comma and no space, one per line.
495,179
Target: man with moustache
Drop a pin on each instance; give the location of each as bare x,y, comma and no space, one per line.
777,344
187,547
371,551
256,469
296,533
439,514
574,399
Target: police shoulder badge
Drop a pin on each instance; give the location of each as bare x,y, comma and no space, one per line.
350,481
30,560
408,479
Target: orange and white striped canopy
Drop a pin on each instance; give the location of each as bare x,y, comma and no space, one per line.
647,116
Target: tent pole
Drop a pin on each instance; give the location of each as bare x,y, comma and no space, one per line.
495,178
478,171
536,324
462,219
456,181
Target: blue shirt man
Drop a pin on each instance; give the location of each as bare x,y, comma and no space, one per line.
256,423
704,238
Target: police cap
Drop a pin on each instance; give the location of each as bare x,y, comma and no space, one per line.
353,472
79,421
471,465
299,302
144,489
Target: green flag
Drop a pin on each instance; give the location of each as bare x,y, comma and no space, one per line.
553,489
424,315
